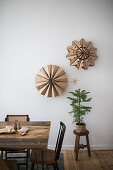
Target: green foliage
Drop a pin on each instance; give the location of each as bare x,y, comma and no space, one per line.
79,97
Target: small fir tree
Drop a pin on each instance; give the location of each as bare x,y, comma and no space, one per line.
78,109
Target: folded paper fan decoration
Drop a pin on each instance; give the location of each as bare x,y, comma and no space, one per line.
81,54
51,81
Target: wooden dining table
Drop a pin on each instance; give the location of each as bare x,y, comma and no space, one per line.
36,137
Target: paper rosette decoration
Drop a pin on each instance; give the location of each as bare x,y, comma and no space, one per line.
81,54
51,81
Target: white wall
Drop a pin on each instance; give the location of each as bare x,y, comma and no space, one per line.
36,33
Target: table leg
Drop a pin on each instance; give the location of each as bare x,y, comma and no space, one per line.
2,153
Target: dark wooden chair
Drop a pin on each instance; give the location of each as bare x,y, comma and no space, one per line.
47,156
7,164
20,118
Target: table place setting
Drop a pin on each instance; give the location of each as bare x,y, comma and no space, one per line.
16,128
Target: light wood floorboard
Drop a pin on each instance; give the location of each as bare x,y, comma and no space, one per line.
99,160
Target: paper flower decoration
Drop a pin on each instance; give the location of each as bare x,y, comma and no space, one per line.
51,81
74,81
81,54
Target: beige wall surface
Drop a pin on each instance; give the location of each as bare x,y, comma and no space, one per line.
35,33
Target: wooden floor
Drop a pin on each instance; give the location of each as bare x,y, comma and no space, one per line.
100,160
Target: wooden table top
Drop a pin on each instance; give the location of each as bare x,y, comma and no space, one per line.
36,137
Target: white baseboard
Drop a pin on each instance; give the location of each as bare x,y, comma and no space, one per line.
93,147
102,147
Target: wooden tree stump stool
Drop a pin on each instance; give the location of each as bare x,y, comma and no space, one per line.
78,146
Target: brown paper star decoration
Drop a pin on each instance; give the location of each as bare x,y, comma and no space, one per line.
51,81
81,54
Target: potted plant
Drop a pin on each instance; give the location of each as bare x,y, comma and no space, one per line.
78,99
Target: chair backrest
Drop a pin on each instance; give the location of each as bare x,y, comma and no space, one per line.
3,165
60,139
21,118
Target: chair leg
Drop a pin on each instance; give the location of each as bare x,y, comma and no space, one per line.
18,167
47,166
57,166
42,159
28,151
27,159
37,167
32,166
54,166
27,166
6,155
